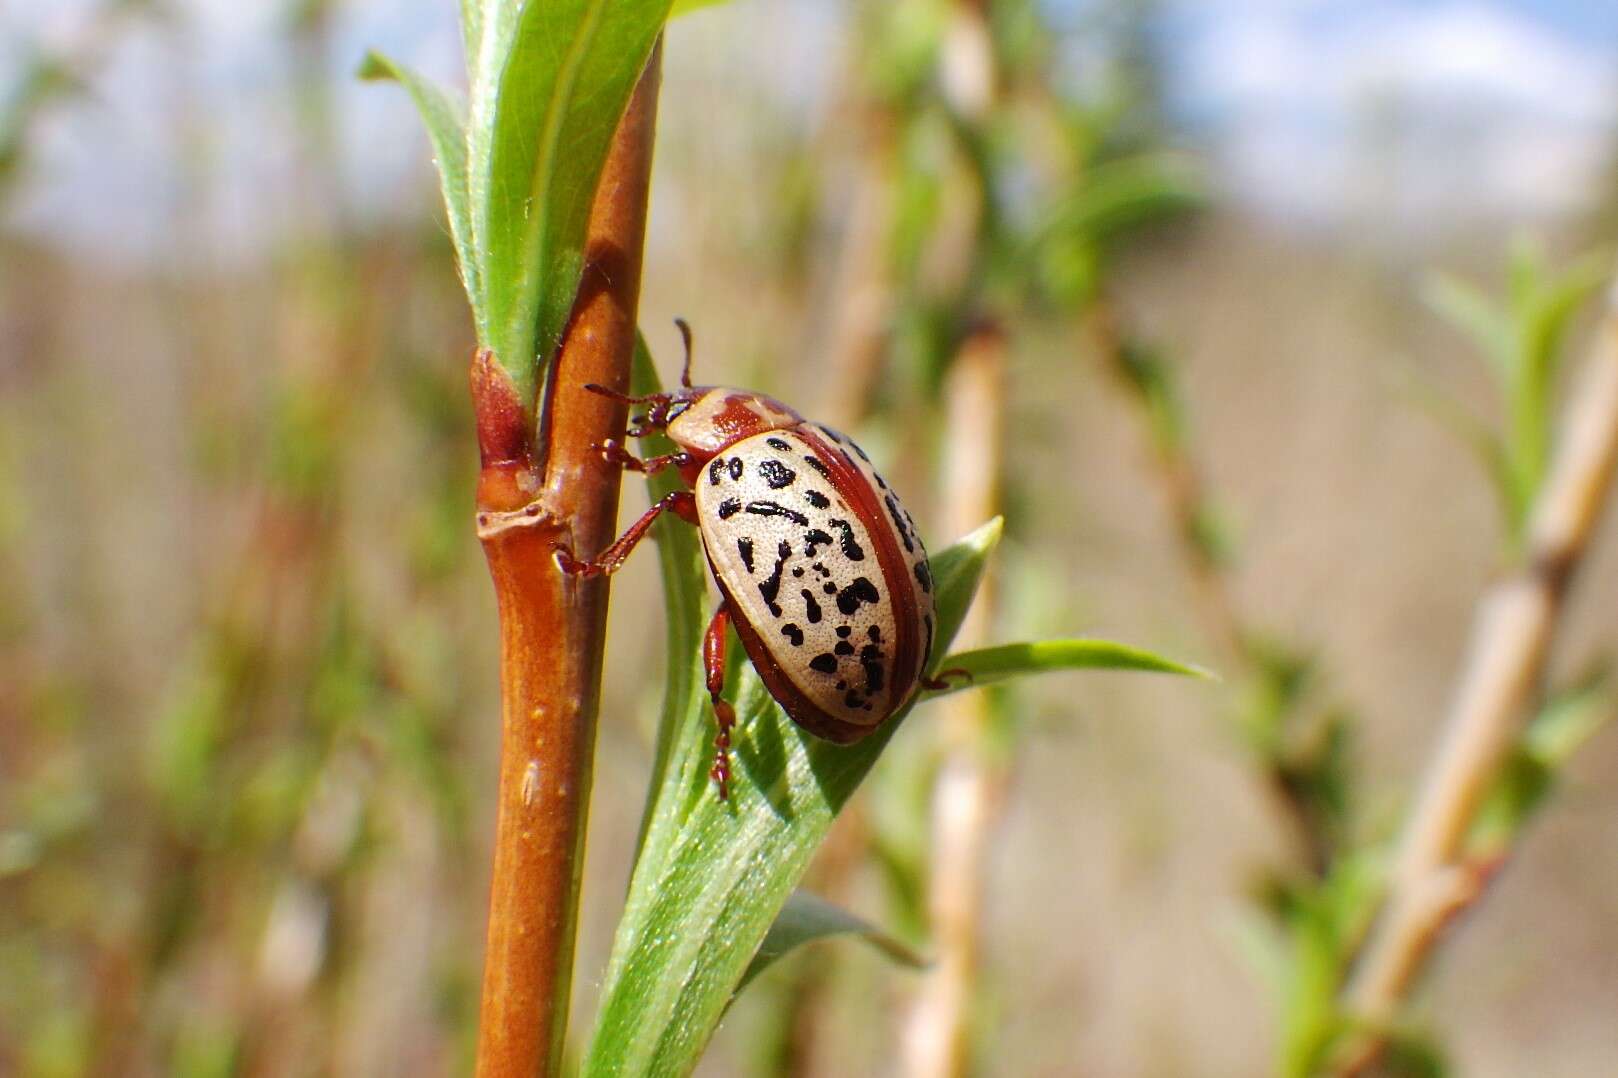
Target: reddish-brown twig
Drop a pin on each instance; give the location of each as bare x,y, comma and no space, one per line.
536,494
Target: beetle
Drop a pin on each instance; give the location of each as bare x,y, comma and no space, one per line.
820,569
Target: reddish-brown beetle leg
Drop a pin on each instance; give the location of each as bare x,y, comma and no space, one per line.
615,453
940,681
682,502
713,665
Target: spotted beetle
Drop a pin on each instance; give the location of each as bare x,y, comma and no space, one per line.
819,567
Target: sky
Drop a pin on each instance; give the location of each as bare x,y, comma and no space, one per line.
1425,110
1401,114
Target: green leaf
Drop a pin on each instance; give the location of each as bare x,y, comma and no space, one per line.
685,7
1567,720
989,665
1324,921
712,875
807,918
1478,437
684,574
550,82
1470,311
1127,193
1544,307
443,114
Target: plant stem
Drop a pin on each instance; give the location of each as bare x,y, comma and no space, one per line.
1186,496
864,305
971,783
1432,877
1183,489
534,494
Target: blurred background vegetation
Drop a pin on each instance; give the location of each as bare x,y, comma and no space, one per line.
1254,265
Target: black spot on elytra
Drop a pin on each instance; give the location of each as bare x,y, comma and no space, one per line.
772,586
776,474
811,609
735,467
852,699
899,523
813,539
875,675
714,471
825,662
777,443
818,465
817,499
820,567
852,597
844,630
926,652
744,547
793,633
924,577
857,449
844,648
841,685
875,633
775,509
829,588
729,508
851,547
797,571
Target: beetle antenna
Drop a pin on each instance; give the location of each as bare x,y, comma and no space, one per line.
685,335
603,391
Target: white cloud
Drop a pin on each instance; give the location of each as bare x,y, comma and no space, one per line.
1466,107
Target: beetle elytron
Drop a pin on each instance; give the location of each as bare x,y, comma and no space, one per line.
819,567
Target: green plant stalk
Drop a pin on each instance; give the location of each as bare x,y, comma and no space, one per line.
703,894
532,499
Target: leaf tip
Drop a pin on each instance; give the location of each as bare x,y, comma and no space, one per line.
374,67
986,536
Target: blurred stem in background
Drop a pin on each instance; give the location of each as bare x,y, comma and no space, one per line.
986,196
975,769
1443,863
1300,751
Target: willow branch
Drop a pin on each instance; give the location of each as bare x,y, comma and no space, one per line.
1182,487
1432,878
1186,499
971,783
535,494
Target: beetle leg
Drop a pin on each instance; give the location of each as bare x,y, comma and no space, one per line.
682,502
713,665
940,681
615,453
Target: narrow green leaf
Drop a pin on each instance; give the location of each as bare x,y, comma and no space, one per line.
442,114
551,82
1470,311
807,918
1478,437
1544,307
989,665
685,7
712,875
1529,775
684,573
471,34
1127,193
